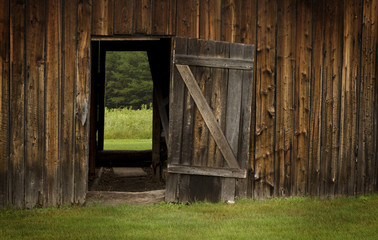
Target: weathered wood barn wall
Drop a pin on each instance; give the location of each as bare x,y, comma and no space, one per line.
315,98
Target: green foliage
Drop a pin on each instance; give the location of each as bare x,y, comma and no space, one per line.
128,124
343,218
128,80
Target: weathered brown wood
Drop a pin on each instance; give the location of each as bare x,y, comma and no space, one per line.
351,69
123,17
53,108
204,81
367,152
285,97
248,36
142,16
332,80
241,189
206,113
188,114
217,104
239,64
17,98
102,17
302,96
208,171
82,101
161,17
233,117
4,101
316,100
265,99
231,20
210,19
35,83
176,123
68,90
186,22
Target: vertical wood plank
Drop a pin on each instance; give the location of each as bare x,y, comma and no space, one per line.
188,128
265,99
367,152
123,17
68,99
302,96
17,103
229,20
210,19
142,16
176,104
248,36
332,80
316,98
161,17
351,70
4,101
245,123
35,84
102,17
187,18
286,52
82,100
217,103
52,110
204,80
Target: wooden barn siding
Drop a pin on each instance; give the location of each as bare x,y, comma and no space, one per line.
314,111
314,108
44,82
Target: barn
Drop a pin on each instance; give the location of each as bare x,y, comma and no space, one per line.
255,98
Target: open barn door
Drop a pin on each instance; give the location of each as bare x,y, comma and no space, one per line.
209,124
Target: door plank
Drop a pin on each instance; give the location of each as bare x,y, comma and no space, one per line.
209,118
203,61
208,171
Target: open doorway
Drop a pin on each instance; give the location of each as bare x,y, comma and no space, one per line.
141,88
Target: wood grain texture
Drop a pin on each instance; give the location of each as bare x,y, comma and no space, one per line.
35,84
176,123
17,103
4,101
68,98
367,152
351,70
209,118
186,21
210,19
285,97
265,99
217,104
317,82
102,17
82,101
123,17
302,96
142,16
52,162
161,17
331,96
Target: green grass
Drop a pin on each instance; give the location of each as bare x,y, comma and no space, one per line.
292,218
127,144
128,124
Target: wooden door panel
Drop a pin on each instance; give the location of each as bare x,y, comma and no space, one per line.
211,95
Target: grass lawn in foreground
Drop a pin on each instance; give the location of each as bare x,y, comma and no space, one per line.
127,144
292,218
